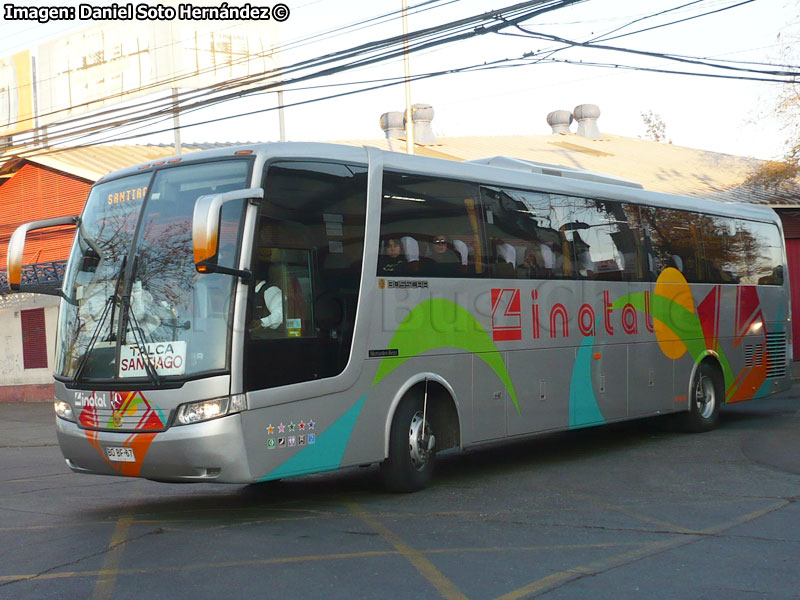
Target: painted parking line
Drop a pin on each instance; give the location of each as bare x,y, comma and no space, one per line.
619,560
427,569
639,551
104,588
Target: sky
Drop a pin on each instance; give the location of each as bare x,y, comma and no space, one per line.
727,116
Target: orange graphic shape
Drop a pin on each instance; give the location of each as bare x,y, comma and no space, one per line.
672,285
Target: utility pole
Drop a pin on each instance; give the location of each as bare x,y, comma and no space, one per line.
281,118
176,124
409,122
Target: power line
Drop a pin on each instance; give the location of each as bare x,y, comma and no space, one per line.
383,18
382,50
272,74
604,37
667,71
360,56
498,64
712,12
662,55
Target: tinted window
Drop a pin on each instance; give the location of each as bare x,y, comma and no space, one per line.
762,250
524,232
673,240
434,222
600,242
306,262
722,250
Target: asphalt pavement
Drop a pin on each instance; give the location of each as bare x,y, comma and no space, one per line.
628,510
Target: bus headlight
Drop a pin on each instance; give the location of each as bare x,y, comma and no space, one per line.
64,410
196,412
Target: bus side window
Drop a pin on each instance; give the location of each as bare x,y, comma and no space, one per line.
722,250
436,221
523,231
674,237
602,243
762,253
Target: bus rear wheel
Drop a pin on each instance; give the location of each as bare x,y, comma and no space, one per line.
412,449
706,396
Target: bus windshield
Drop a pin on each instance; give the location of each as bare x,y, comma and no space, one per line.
135,307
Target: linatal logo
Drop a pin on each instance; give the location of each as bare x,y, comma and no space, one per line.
506,315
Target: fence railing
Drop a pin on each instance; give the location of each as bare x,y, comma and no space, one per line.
43,274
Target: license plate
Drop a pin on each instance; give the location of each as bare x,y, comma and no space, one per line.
119,454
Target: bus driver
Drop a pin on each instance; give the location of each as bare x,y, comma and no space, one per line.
267,312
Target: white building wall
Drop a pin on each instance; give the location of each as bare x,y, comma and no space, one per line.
12,372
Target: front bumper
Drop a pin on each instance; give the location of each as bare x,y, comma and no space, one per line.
212,451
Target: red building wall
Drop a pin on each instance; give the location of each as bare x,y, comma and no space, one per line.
35,192
791,230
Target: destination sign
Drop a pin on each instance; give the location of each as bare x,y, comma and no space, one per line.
127,195
168,358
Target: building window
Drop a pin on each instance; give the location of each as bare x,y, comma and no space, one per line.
34,339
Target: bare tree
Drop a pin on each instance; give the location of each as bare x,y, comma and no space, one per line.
655,129
775,172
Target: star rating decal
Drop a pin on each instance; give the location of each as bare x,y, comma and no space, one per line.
291,441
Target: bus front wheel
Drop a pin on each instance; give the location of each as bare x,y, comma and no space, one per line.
412,449
706,395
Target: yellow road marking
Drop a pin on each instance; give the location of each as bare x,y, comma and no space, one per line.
633,555
624,510
104,587
312,558
539,585
426,568
307,514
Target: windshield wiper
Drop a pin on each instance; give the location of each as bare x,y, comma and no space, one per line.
138,333
109,306
141,343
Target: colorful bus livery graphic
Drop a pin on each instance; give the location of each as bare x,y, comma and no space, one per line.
121,411
125,411
670,313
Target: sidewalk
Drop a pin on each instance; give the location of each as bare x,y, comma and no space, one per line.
26,393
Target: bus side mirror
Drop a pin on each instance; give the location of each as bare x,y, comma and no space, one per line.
16,250
205,230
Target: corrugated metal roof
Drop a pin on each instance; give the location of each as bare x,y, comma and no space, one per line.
657,166
93,162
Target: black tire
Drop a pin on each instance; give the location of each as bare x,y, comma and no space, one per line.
706,394
410,464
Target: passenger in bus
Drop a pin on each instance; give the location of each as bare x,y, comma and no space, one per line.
445,261
532,266
392,261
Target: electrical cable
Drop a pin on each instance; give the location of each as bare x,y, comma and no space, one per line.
447,33
292,45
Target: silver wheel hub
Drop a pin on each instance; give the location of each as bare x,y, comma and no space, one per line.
705,396
420,441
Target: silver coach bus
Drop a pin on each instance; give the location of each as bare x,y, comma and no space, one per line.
249,314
